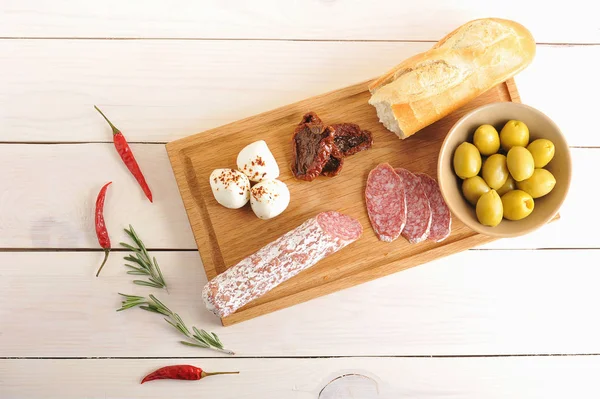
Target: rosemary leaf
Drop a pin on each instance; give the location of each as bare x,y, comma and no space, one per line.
134,268
200,338
156,301
196,331
217,340
139,243
139,298
146,283
137,260
141,264
184,330
152,308
203,335
171,323
132,258
160,275
125,307
136,272
129,247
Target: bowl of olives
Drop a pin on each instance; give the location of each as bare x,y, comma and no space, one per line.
504,169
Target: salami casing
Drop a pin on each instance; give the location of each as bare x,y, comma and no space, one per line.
280,260
386,202
418,213
441,219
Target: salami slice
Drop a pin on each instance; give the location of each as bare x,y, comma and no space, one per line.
386,202
295,251
441,219
418,212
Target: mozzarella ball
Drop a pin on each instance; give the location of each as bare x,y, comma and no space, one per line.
269,198
230,187
257,162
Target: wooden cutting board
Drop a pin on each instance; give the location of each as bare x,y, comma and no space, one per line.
225,236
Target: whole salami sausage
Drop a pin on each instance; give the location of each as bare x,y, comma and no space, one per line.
295,251
418,212
441,219
386,202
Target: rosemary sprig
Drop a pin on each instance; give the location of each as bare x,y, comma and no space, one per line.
144,266
200,338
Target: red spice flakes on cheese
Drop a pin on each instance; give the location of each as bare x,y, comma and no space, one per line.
258,191
259,161
228,177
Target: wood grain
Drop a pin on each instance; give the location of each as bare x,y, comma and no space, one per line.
53,188
224,237
272,19
465,378
471,303
160,91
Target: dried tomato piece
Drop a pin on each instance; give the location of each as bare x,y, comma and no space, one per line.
350,139
312,146
336,160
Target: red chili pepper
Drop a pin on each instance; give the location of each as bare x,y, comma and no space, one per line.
101,232
181,372
127,156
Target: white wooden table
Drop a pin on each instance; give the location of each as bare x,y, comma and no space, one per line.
514,319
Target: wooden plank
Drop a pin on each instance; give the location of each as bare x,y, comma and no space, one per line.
224,237
53,188
339,20
159,91
365,378
473,303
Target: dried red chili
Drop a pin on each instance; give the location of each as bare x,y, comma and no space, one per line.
181,372
101,231
127,156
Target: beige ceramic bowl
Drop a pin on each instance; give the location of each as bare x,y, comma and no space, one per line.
497,114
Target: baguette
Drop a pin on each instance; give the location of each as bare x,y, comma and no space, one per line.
466,63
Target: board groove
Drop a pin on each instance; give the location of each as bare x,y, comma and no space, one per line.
225,236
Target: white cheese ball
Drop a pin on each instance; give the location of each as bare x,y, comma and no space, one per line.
230,187
269,198
257,162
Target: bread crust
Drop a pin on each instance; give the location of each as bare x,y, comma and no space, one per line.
463,65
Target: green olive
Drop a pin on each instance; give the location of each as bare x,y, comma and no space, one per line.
539,184
473,188
509,185
486,139
542,151
520,163
467,160
517,205
514,133
489,209
495,171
